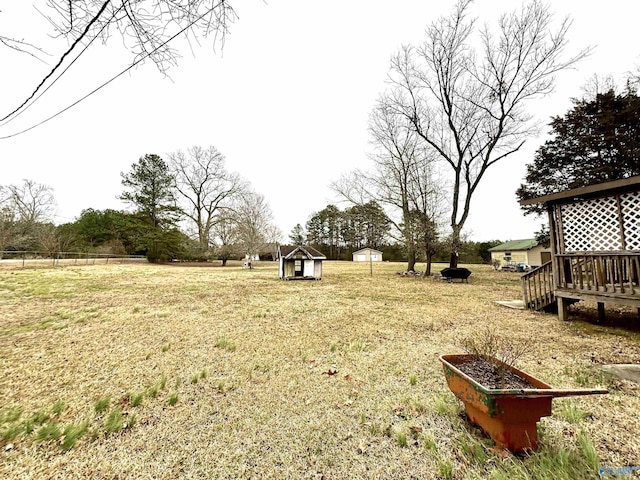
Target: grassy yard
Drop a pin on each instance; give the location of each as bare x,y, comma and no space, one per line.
142,371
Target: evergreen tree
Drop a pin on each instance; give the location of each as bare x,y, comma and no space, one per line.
150,189
597,141
297,235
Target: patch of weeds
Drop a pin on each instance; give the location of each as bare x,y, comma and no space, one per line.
445,468
72,433
473,450
152,391
571,413
225,343
413,379
12,432
114,421
136,399
203,374
429,443
166,347
136,309
333,347
11,415
131,421
28,427
445,406
172,399
417,406
553,462
221,386
161,384
148,356
39,417
379,428
590,375
401,438
358,345
588,450
195,378
102,404
49,431
58,407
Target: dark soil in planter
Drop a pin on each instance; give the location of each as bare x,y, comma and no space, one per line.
491,376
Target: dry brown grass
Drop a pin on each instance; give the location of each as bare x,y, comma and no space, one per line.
265,402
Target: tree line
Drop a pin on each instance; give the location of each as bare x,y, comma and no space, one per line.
190,208
338,233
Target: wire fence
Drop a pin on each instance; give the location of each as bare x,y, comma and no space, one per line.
26,258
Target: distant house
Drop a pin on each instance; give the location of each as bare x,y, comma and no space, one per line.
367,254
299,262
528,251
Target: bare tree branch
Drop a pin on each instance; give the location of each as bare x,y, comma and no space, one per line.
469,107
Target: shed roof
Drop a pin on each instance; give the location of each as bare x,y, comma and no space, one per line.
526,244
290,251
365,249
586,192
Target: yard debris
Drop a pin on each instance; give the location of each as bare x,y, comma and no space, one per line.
330,372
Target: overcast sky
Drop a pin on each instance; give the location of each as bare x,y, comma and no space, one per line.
286,102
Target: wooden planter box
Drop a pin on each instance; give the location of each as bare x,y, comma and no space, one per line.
509,416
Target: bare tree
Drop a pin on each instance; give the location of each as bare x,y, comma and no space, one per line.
400,179
207,190
226,234
468,105
273,237
32,202
24,209
7,226
147,28
254,222
246,228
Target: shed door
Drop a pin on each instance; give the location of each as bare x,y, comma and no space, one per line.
362,257
297,269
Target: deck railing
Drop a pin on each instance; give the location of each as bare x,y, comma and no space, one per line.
537,287
613,274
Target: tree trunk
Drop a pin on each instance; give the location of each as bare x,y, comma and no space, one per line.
411,254
427,266
455,245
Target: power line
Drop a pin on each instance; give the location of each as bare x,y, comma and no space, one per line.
64,55
135,63
59,76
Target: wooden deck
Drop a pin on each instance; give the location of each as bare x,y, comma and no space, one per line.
537,287
610,276
600,277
